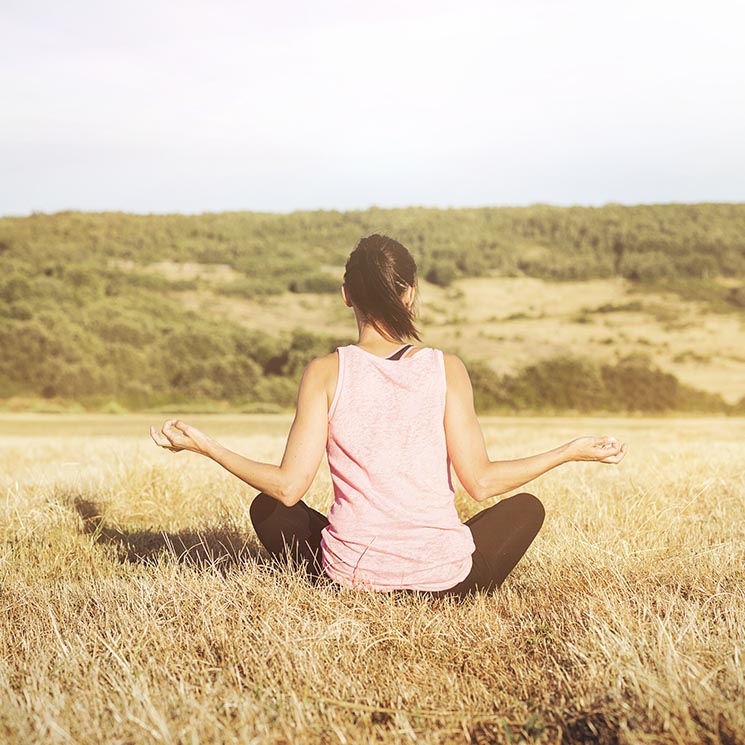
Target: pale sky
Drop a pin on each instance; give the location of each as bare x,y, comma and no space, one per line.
150,106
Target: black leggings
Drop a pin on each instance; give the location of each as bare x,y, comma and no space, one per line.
501,533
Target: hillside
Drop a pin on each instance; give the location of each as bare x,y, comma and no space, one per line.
140,311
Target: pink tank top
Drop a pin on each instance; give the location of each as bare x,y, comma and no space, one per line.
393,522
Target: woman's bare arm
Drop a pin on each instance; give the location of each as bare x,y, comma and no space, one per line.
483,478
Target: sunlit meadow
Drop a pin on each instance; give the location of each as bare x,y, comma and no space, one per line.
137,606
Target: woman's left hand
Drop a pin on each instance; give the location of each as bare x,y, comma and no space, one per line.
176,436
599,449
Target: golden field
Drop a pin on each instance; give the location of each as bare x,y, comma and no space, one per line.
137,606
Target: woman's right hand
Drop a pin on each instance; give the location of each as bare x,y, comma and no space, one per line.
606,449
176,436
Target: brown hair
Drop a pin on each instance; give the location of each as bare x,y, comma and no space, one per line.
377,273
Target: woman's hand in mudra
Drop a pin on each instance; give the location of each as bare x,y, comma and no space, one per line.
605,449
176,436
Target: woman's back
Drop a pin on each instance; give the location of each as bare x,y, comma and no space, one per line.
393,522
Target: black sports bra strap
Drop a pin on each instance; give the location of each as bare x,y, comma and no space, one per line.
400,353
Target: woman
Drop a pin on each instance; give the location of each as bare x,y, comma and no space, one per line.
392,418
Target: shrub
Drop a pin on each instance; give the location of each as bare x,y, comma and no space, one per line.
561,383
647,267
736,296
318,282
441,273
634,385
489,392
567,383
275,389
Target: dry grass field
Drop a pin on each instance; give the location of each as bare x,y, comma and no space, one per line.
137,606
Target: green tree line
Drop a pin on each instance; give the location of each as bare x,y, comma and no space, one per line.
644,242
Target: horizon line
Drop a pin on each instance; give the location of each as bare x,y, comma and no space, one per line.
371,207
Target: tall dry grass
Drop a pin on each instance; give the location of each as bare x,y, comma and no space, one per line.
137,607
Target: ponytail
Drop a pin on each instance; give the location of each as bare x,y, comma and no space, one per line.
377,273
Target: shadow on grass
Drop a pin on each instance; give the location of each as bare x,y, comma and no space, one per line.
591,727
222,548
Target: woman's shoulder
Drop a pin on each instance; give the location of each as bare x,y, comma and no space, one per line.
455,369
452,360
326,367
324,364
321,373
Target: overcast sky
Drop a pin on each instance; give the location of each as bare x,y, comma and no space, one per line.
209,106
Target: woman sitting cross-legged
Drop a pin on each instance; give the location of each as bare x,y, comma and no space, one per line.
392,419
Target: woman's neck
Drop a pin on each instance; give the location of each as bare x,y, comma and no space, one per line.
373,341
